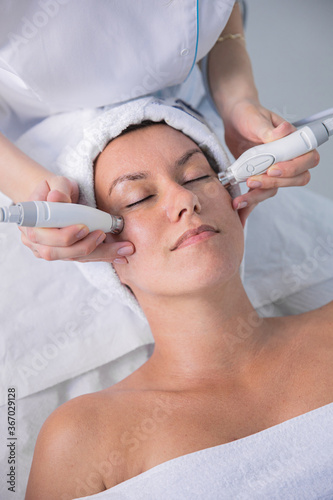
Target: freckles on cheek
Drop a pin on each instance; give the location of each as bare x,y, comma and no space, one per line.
146,235
136,232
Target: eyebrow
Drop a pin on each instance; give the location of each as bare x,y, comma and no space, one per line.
144,174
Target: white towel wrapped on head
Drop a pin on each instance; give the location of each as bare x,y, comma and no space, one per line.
78,163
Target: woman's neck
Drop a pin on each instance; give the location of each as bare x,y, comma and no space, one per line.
204,338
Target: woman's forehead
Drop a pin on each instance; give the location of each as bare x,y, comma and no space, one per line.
145,148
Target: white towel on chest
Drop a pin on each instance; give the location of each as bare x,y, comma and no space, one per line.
289,461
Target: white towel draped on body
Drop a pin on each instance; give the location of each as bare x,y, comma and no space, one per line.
289,461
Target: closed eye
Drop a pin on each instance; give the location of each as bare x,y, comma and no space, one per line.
198,179
150,196
139,201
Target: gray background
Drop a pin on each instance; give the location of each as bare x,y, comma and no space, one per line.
291,47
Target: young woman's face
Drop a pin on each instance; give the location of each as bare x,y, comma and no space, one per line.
161,183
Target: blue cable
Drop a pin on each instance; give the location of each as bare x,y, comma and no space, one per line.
197,43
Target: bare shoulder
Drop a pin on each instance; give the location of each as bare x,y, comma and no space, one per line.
326,310
71,448
313,348
319,322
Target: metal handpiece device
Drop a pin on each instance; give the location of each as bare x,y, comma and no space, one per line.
258,159
52,214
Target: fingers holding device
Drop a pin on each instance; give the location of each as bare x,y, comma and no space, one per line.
297,149
53,214
258,159
71,245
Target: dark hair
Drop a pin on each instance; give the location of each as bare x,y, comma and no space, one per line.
138,126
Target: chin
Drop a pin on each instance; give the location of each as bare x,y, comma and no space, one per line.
201,276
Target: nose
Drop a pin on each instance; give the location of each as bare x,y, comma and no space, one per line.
181,202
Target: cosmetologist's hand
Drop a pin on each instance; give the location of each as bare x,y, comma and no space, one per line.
249,124
72,242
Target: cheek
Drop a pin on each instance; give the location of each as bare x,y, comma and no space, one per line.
216,200
218,203
140,230
144,232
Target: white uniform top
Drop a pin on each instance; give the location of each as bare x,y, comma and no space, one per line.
61,55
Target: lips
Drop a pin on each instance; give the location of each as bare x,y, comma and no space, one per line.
193,232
